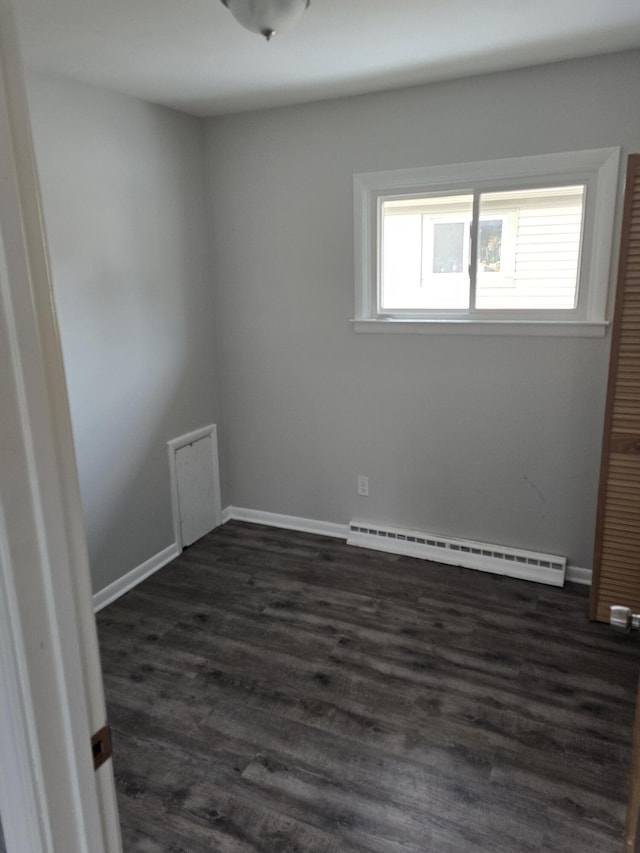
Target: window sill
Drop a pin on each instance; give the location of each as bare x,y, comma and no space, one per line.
518,328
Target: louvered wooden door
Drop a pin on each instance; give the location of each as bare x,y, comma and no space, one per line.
616,577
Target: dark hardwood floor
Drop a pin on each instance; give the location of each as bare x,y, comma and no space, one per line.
277,691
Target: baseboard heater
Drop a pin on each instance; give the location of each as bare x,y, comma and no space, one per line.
497,559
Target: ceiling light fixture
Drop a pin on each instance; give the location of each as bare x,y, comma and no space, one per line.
267,17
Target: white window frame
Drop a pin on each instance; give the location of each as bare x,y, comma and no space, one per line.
596,169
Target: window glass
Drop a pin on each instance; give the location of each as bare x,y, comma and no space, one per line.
490,245
448,247
425,253
527,256
528,259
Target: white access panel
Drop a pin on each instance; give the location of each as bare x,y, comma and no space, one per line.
196,480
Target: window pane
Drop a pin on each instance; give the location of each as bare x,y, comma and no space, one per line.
490,245
448,247
425,253
529,249
401,258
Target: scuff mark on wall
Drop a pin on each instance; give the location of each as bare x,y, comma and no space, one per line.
535,488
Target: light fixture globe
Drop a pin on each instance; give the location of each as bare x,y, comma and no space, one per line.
267,17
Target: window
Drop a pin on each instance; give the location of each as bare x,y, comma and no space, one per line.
519,245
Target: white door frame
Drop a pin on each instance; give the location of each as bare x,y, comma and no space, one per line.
51,696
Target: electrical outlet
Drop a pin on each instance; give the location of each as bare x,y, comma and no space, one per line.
363,485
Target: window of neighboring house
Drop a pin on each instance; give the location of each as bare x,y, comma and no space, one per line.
514,245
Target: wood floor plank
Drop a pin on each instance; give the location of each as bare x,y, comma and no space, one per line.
279,691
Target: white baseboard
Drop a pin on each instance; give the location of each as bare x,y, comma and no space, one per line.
576,574
127,582
285,522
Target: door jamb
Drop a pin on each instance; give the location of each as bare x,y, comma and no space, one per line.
51,690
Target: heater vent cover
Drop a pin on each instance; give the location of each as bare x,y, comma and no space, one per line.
497,559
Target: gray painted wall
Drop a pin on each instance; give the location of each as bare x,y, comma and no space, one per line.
125,210
490,438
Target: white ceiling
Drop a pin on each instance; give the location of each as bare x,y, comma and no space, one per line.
192,55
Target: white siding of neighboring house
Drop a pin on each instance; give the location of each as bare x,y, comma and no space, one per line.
545,266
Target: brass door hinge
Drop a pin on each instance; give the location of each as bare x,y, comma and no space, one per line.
101,747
